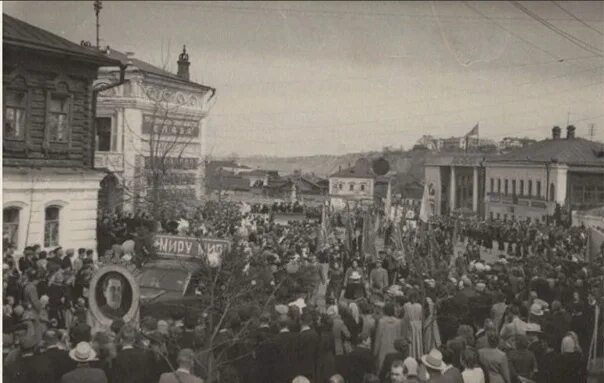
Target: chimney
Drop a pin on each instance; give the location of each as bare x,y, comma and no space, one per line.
556,133
129,56
570,132
183,64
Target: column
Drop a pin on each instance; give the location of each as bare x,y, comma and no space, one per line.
475,190
452,187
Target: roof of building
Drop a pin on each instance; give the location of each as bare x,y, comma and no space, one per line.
354,172
458,159
256,172
149,68
19,33
571,151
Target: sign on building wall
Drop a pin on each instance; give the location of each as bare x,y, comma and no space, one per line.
161,125
187,163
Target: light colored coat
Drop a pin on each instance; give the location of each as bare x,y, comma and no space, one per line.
388,330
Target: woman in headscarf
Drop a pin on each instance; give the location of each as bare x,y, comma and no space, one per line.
571,364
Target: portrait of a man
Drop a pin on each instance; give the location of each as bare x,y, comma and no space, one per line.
114,295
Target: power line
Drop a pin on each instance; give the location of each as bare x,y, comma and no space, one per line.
513,33
576,18
325,12
580,43
390,77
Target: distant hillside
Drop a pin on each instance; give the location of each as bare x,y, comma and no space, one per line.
409,165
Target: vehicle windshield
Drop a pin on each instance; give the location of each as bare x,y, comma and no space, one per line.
165,279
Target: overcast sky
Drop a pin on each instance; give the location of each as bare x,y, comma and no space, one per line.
336,77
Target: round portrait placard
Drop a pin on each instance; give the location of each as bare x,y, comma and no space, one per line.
113,294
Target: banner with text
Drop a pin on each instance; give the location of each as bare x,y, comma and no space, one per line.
190,247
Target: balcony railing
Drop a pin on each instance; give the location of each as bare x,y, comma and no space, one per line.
112,161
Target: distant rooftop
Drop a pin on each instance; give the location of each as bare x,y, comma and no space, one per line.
19,33
149,68
571,151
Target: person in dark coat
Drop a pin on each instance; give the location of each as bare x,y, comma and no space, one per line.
132,365
59,359
308,348
30,368
265,351
285,343
83,354
359,361
401,346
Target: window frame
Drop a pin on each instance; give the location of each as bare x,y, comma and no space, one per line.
27,108
16,224
112,135
69,117
538,188
57,240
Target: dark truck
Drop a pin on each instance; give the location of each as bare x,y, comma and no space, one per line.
168,288
169,284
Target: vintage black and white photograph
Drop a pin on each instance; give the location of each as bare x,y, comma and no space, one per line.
303,191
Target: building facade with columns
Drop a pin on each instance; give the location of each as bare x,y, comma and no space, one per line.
557,173
151,126
456,183
50,187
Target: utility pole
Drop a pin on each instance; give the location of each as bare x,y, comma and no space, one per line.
592,131
98,5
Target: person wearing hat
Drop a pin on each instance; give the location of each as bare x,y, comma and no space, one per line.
433,363
83,354
355,288
186,361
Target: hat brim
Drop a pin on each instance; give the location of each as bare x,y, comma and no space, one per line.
430,365
92,357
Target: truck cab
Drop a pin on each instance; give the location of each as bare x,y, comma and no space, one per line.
168,288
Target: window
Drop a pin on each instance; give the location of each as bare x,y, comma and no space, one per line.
15,110
530,188
538,189
10,224
521,191
498,216
362,187
513,187
505,188
552,192
590,193
341,186
58,118
351,186
51,226
492,185
103,134
600,191
498,185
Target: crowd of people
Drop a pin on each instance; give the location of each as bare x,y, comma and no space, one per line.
416,311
